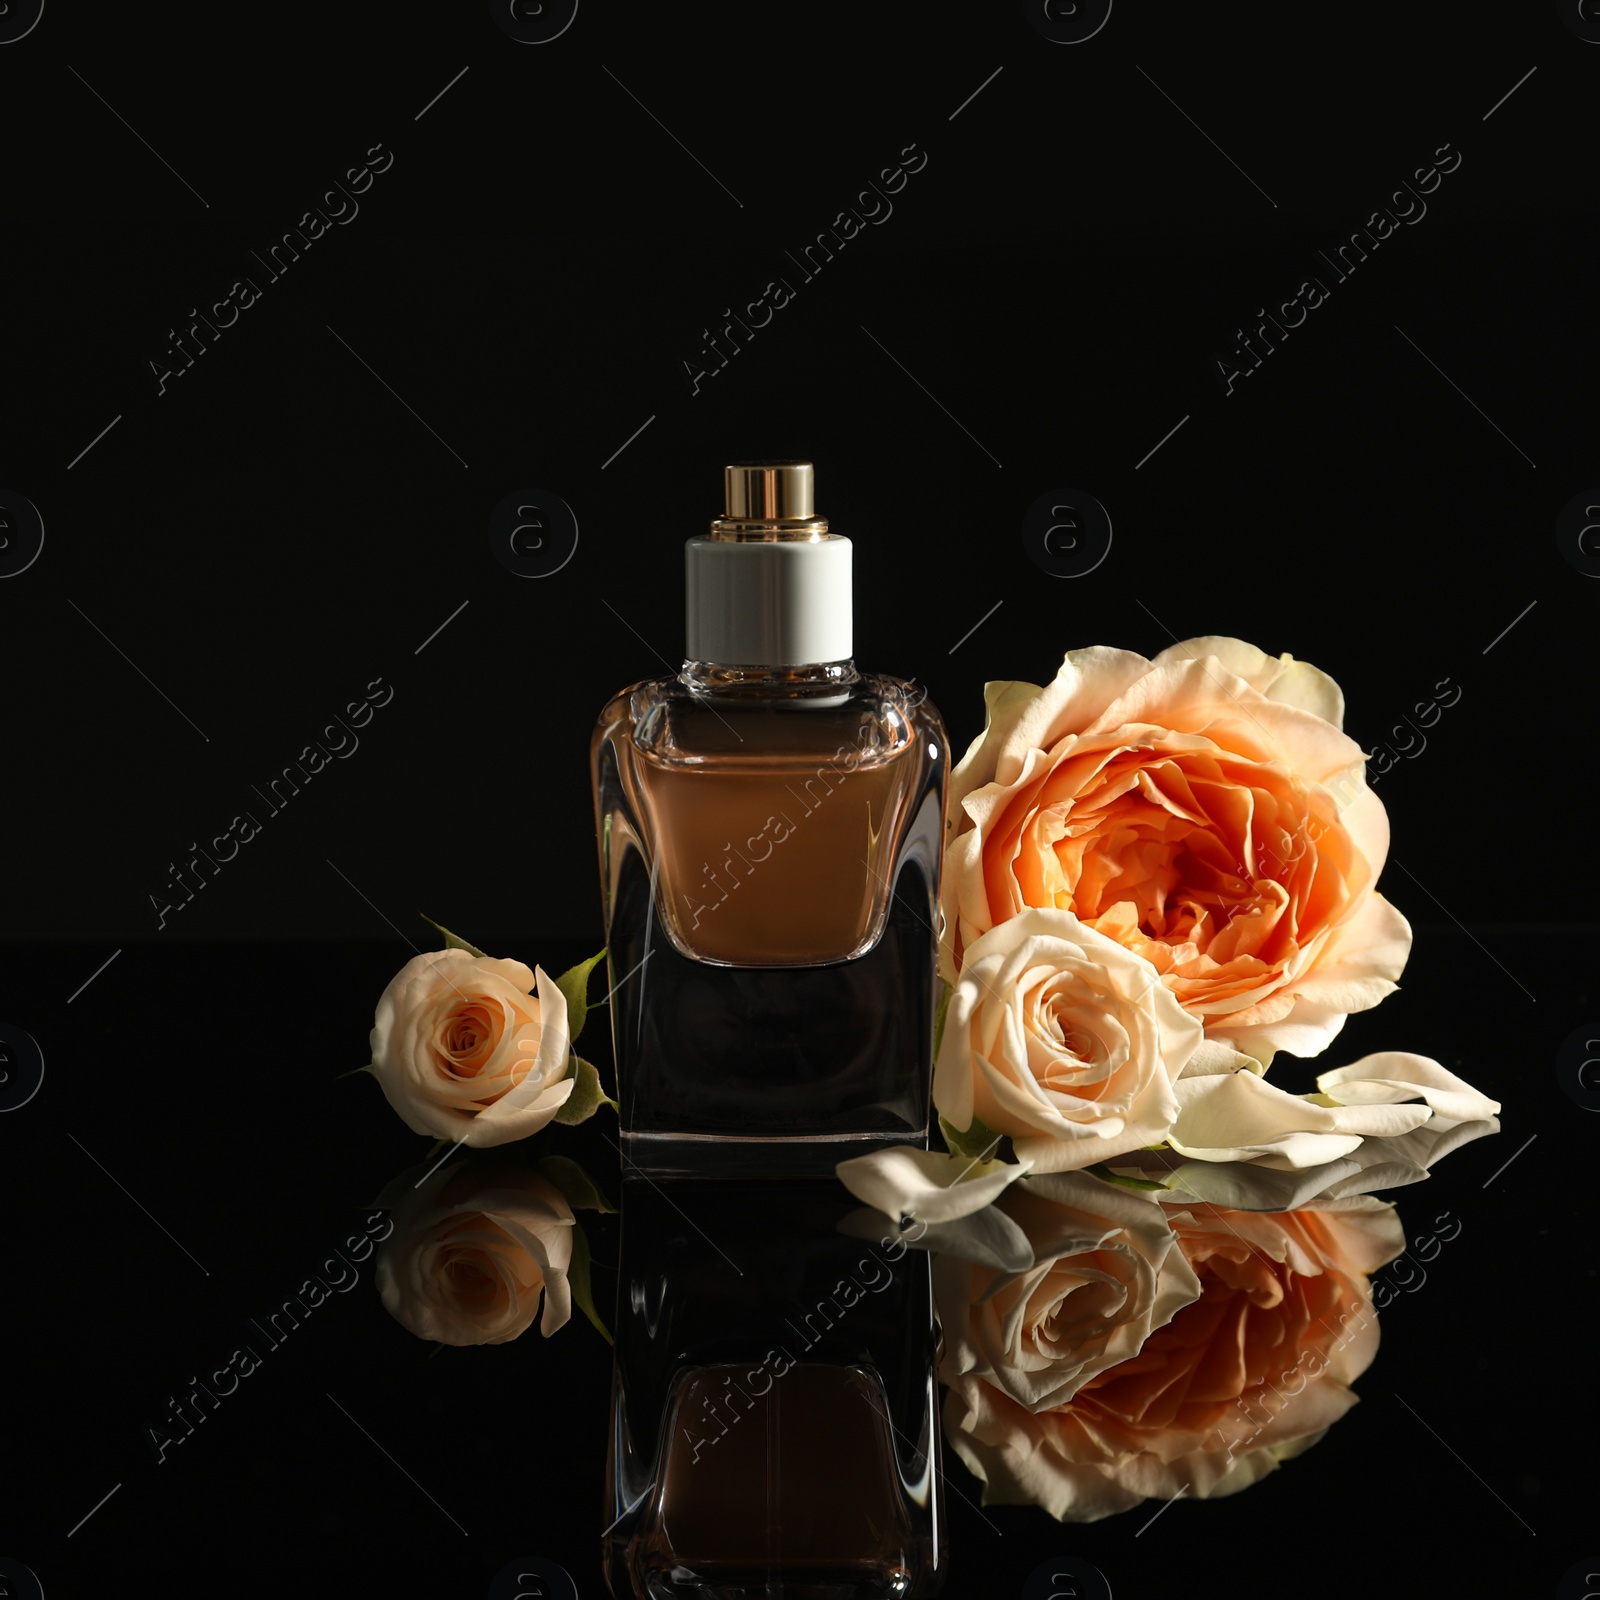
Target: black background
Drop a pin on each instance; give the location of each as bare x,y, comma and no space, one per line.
299,513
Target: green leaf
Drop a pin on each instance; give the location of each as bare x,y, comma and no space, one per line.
452,941
578,1282
977,1141
587,1096
574,984
945,991
1102,1171
581,1192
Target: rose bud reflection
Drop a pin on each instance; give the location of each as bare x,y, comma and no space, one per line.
475,1248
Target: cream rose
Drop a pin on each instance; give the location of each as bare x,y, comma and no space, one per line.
1249,1374
1064,1039
465,1052
1202,809
1106,1272
470,1263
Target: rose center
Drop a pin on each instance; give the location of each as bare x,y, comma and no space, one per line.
468,1034
471,1282
1179,856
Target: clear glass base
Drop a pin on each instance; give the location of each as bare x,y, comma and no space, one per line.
712,1155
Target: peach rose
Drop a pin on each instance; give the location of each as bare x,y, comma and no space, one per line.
469,1264
465,1052
1202,809
1064,1039
1252,1372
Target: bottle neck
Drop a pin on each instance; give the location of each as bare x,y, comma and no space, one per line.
708,677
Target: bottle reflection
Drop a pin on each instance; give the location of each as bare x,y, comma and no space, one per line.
774,1418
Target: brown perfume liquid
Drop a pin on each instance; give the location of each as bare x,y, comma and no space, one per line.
793,1485
766,860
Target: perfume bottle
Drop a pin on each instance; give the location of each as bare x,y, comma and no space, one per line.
770,822
774,1416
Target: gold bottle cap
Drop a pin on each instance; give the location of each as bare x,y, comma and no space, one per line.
769,501
769,491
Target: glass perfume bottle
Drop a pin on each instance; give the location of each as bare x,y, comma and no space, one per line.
774,1416
770,822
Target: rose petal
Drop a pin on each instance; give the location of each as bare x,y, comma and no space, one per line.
1391,1076
927,1185
1239,1116
1280,678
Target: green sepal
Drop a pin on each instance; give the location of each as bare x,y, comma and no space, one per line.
339,1077
452,941
587,1095
578,1282
1102,1171
977,1141
945,991
574,984
579,1190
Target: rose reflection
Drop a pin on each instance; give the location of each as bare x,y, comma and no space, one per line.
1252,1370
475,1250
